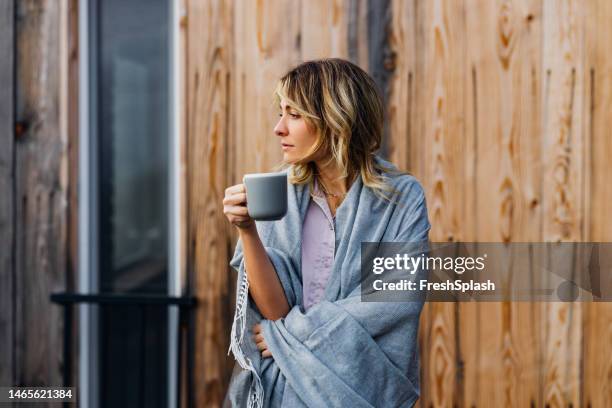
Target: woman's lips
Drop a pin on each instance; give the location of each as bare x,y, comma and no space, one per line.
286,146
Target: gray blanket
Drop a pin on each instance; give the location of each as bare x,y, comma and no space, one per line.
342,351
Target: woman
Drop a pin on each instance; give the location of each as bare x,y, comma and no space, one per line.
314,342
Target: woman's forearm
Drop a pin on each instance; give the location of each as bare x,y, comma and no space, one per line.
264,285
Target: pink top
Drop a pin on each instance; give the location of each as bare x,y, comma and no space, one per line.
318,247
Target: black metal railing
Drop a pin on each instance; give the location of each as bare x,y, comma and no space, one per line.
185,306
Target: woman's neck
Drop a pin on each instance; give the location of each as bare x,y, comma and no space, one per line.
331,177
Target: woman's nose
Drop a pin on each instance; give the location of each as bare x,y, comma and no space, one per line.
280,129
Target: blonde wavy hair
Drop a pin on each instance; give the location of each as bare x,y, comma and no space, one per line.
341,102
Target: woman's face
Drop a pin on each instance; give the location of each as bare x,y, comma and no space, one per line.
296,138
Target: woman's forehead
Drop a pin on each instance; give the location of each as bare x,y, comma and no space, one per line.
284,103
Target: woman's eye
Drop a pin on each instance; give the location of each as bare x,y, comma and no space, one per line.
293,115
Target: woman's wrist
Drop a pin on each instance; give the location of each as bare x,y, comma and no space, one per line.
248,230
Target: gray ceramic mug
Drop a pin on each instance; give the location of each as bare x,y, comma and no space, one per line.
266,195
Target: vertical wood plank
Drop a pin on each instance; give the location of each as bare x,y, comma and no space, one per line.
563,59
522,342
441,122
597,346
381,58
209,48
332,41
599,108
41,196
469,319
504,46
401,104
357,32
440,73
7,194
562,200
404,147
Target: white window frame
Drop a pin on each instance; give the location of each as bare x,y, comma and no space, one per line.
88,383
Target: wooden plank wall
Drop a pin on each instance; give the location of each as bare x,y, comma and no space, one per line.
208,78
500,108
33,189
504,128
7,208
596,353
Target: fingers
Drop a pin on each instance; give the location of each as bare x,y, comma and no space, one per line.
236,210
235,199
236,189
260,342
234,206
262,345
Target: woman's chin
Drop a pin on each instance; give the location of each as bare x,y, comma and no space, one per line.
289,158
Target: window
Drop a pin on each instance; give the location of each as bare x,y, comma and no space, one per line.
126,220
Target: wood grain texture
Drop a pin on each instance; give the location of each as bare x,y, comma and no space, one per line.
329,42
496,107
401,105
563,56
523,367
534,128
441,34
381,58
264,51
41,195
209,48
503,40
7,194
597,324
500,108
358,32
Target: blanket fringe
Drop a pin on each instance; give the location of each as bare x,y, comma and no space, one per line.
256,389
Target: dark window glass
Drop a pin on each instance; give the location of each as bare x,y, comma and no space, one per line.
132,123
130,58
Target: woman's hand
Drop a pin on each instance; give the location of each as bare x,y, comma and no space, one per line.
234,207
264,286
260,341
